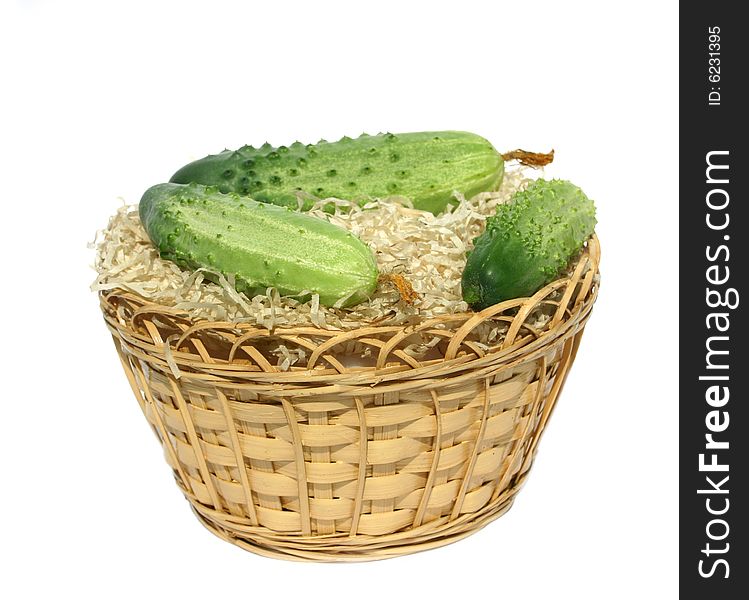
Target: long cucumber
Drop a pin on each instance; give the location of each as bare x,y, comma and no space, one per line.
427,167
260,244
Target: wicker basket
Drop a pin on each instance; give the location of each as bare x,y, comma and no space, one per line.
334,462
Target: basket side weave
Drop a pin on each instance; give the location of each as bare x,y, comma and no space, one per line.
343,462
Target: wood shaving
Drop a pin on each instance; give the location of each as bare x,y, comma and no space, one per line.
427,252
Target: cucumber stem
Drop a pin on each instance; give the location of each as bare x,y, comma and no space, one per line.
530,159
403,285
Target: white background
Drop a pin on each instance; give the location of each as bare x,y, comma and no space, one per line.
101,100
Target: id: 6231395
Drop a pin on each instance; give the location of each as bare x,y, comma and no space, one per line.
713,64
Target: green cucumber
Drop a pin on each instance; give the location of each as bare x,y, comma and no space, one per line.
261,245
528,243
426,167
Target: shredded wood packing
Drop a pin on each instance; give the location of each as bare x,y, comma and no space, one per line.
427,251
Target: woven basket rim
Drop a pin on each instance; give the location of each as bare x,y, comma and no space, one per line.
582,283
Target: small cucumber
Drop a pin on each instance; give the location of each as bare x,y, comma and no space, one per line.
527,243
260,244
426,167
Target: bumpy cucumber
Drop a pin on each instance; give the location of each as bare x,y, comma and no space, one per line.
260,244
527,243
426,167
